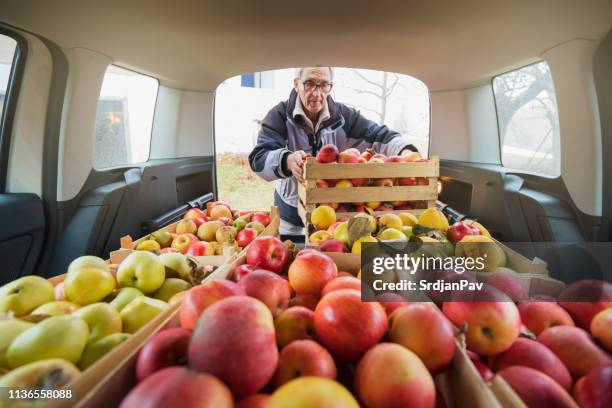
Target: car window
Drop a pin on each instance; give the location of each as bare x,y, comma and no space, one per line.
399,101
124,118
528,120
7,54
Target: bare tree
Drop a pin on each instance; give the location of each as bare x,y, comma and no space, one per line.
381,90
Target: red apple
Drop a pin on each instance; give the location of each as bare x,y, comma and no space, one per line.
539,316
394,159
367,155
460,229
344,282
199,221
200,248
492,327
422,181
585,298
199,298
483,370
391,301
406,181
304,358
383,182
226,220
426,332
536,389
254,401
192,214
261,217
241,271
353,151
294,323
410,157
310,272
167,250
245,236
306,300
182,242
530,353
378,156
345,157
234,340
333,245
179,386
166,348
267,253
327,154
348,327
390,375
594,390
508,284
322,184
267,287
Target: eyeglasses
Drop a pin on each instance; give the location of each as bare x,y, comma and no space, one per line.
311,86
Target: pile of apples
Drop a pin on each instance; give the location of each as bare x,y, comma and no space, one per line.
547,351
330,154
209,232
46,331
290,330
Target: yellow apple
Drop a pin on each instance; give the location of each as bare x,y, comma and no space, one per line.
356,248
9,330
96,350
139,312
170,287
409,219
392,234
56,337
88,280
56,308
141,270
148,245
312,392
341,233
102,319
25,294
122,297
390,221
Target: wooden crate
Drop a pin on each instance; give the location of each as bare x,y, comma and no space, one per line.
460,385
310,195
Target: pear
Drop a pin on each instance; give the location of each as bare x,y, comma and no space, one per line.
88,280
48,373
177,265
56,308
170,287
25,294
96,350
122,297
139,312
9,329
141,270
56,337
164,238
102,319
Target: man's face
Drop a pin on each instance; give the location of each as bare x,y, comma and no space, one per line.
313,99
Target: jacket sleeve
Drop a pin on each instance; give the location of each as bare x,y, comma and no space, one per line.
380,137
267,157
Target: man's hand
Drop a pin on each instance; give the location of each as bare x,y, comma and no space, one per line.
295,163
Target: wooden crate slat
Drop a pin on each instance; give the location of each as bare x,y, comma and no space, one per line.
314,170
315,195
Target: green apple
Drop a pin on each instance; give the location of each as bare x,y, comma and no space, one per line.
56,308
177,265
240,223
141,270
88,280
56,337
407,230
139,312
102,319
9,329
170,287
49,373
25,294
120,298
96,350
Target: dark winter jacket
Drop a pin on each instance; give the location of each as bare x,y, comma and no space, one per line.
281,134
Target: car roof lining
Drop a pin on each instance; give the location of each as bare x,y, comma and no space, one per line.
194,45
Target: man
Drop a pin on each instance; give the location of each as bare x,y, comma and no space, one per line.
300,126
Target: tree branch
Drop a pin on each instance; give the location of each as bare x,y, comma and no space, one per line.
360,75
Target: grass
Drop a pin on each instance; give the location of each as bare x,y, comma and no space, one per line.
239,186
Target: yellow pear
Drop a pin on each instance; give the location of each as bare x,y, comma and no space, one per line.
88,280
141,311
102,319
170,287
48,373
96,350
433,218
56,308
25,294
9,330
56,337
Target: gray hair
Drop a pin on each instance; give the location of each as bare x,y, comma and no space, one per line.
298,71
